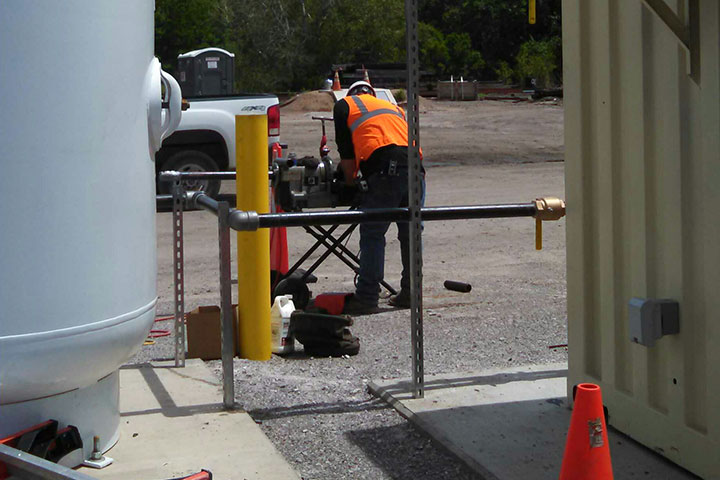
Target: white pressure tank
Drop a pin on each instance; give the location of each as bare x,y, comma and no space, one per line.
81,116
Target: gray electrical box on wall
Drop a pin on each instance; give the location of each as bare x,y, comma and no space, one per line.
206,72
651,319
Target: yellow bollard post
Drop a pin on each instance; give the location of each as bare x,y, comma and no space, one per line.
253,248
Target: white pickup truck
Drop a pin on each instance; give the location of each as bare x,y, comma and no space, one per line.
205,138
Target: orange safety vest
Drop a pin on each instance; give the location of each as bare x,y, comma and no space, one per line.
374,123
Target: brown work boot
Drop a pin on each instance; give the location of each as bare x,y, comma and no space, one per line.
401,300
353,306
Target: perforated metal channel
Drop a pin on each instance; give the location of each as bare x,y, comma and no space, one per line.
415,199
178,274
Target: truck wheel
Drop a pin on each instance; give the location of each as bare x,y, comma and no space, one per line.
192,161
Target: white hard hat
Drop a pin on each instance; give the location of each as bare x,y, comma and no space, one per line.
361,87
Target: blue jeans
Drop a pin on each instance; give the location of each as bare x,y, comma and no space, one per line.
384,191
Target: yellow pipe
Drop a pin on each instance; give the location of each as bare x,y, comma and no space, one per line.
253,248
532,12
538,234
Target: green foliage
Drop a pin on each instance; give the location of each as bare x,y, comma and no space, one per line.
538,60
285,45
505,73
434,54
497,28
400,95
450,54
463,59
185,25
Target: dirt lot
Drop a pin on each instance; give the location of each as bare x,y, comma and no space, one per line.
316,410
461,133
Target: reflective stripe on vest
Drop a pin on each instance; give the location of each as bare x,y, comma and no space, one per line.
366,115
374,123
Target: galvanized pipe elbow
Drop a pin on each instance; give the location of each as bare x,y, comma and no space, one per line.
244,221
199,199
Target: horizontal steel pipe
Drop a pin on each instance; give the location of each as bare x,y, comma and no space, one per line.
509,210
165,202
341,217
247,221
171,175
346,217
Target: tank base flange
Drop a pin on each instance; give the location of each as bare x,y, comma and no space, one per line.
94,410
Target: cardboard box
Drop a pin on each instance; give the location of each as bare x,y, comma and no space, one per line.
203,332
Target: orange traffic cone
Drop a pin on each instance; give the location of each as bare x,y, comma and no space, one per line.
366,77
336,81
587,453
278,242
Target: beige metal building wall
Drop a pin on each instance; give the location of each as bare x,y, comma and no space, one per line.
643,193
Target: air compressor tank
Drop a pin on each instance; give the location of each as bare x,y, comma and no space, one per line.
81,116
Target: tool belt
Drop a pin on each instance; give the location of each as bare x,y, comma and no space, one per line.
385,161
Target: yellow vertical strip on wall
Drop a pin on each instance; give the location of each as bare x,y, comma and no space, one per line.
634,145
692,379
577,278
253,248
600,163
627,127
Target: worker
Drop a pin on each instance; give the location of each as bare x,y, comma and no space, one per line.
372,140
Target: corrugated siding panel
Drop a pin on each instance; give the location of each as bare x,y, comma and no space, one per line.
642,144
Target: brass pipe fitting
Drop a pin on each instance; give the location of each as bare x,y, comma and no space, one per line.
546,209
549,208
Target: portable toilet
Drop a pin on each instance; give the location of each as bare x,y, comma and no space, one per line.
206,72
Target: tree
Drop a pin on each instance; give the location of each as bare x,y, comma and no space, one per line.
290,44
185,25
537,60
284,45
434,55
463,59
497,28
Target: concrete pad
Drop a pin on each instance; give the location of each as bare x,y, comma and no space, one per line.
511,424
173,424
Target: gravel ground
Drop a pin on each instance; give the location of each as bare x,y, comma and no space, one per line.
317,411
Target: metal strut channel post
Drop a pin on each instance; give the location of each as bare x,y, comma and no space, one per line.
227,332
415,199
178,273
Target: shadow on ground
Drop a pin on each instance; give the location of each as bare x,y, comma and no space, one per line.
400,452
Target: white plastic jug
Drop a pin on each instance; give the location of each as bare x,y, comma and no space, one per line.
280,313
